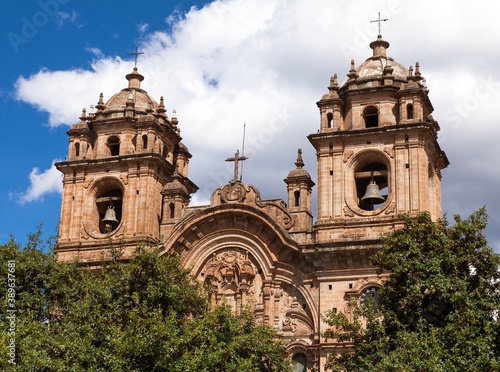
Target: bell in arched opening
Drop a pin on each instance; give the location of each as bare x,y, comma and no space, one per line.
110,216
372,195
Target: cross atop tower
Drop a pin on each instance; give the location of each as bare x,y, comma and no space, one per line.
379,21
237,158
136,54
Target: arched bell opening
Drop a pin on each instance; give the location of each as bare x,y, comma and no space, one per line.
329,119
296,197
77,149
409,111
371,180
171,210
109,205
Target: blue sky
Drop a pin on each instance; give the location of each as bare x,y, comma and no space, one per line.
219,64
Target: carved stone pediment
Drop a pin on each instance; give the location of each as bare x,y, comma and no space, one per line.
237,192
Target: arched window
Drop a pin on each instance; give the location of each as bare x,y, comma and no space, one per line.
171,208
114,145
296,196
77,148
371,117
409,111
299,363
144,141
329,118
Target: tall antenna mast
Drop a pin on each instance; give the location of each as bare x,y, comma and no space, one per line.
243,149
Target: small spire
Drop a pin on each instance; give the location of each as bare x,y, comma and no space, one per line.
83,118
299,163
352,75
417,69
418,75
161,107
100,105
410,71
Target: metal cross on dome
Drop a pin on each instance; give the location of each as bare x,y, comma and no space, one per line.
379,21
136,54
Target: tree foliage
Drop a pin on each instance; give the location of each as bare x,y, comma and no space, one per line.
146,315
439,308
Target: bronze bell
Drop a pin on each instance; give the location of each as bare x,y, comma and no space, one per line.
372,195
110,216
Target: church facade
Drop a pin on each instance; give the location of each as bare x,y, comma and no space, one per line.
126,180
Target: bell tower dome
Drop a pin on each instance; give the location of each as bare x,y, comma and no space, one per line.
377,150
120,159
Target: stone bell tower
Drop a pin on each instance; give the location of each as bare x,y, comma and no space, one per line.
377,150
377,156
125,177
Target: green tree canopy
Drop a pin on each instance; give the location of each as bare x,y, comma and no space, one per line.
438,309
146,315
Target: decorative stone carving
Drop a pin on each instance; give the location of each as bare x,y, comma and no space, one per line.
124,178
84,234
347,155
230,275
391,208
234,192
389,151
348,212
88,181
239,192
289,325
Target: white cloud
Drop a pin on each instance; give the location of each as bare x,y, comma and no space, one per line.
96,52
267,62
63,18
142,28
42,183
